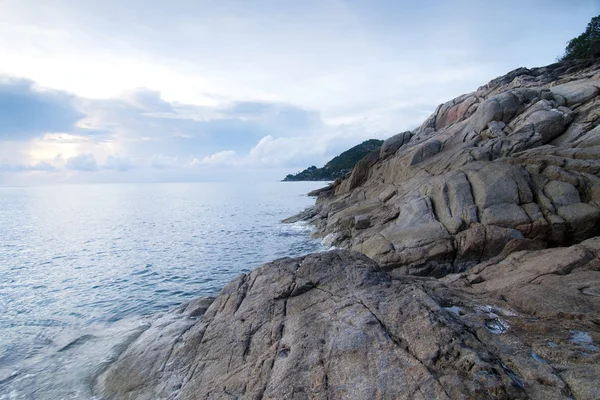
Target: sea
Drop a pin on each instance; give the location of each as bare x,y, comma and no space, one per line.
85,268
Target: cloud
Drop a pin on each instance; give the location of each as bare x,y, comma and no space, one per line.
286,118
226,158
161,161
161,135
149,125
147,100
142,125
27,110
118,163
13,167
82,162
42,166
284,85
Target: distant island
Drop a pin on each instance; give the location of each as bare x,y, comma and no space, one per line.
338,166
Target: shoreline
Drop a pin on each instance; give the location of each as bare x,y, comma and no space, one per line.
182,315
469,267
55,333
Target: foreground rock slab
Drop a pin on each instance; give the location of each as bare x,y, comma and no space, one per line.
335,325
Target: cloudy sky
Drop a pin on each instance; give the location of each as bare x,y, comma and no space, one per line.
190,90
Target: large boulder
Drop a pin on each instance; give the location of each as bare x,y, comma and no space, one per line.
335,326
391,145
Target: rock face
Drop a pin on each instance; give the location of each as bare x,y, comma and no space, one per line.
517,161
335,325
482,278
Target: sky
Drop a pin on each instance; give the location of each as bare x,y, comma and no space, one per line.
228,90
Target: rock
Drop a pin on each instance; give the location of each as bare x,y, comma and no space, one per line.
460,198
481,242
549,123
318,192
577,92
590,138
494,184
360,172
581,218
495,168
387,194
334,325
454,111
499,108
506,215
304,215
561,193
141,367
362,222
425,151
391,145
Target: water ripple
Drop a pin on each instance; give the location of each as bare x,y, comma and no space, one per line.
79,263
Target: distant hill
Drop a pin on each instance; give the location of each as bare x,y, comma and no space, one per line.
338,166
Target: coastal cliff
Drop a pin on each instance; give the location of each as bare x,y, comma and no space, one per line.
482,278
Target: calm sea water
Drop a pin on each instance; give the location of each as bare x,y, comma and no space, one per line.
82,267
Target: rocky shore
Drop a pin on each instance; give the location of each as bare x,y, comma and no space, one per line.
468,266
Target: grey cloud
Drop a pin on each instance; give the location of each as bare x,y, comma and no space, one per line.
41,166
286,118
158,127
118,163
160,161
145,125
82,162
13,167
27,112
147,100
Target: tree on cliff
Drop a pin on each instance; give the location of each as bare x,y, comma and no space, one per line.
581,46
338,166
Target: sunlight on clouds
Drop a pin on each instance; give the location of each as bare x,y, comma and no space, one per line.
283,85
54,144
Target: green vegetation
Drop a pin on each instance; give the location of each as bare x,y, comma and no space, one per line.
338,166
581,46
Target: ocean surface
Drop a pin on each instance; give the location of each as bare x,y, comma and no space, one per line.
84,268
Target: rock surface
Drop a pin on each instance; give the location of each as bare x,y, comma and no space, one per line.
482,278
517,160
335,325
